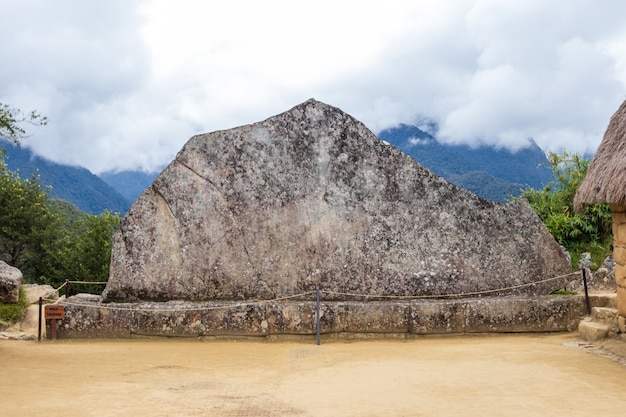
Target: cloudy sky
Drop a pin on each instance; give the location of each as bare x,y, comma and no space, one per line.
125,83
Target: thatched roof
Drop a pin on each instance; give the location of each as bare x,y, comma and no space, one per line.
606,178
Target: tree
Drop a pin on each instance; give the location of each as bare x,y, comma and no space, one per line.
48,240
10,120
589,231
51,240
85,254
28,228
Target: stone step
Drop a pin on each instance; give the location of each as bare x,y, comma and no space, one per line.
607,315
592,331
603,300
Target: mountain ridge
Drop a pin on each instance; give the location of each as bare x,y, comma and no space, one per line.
494,174
77,185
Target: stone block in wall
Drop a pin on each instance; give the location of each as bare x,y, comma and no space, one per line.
600,300
619,233
618,216
618,208
160,320
619,255
248,317
85,318
621,301
300,318
294,318
492,315
377,317
620,275
332,317
519,314
217,321
171,319
180,319
437,316
621,324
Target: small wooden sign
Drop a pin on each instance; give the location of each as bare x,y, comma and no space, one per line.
55,312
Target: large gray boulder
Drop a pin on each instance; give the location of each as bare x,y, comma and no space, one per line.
10,282
310,198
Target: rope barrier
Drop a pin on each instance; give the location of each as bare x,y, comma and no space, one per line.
458,295
204,308
54,294
135,306
51,295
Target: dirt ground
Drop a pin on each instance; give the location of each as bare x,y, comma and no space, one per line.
511,375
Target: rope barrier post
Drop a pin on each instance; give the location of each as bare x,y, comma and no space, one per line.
53,329
39,327
67,289
587,303
317,313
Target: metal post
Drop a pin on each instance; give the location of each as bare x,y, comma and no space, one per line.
53,329
587,303
40,308
317,312
67,289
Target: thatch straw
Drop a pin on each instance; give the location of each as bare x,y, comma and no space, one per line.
606,178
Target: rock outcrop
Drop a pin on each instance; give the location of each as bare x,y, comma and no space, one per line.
10,282
311,198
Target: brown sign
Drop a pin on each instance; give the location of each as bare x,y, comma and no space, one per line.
55,312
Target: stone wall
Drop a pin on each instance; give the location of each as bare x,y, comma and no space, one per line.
619,253
89,317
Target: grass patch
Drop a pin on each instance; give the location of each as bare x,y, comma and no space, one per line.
563,292
12,313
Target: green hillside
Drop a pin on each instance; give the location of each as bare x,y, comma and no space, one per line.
494,174
74,184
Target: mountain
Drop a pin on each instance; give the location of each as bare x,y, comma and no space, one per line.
494,174
77,185
129,184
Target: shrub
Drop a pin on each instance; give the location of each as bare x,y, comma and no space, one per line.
12,313
589,231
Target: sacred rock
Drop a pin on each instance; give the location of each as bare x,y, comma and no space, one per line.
310,199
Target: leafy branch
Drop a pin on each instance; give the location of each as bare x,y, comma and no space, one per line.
11,120
589,231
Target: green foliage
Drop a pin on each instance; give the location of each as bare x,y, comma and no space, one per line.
85,253
11,313
563,292
492,173
77,185
28,228
11,119
50,240
487,186
589,231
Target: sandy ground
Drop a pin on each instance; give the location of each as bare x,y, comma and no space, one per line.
514,375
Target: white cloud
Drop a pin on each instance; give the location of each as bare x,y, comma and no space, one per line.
418,141
539,75
126,83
